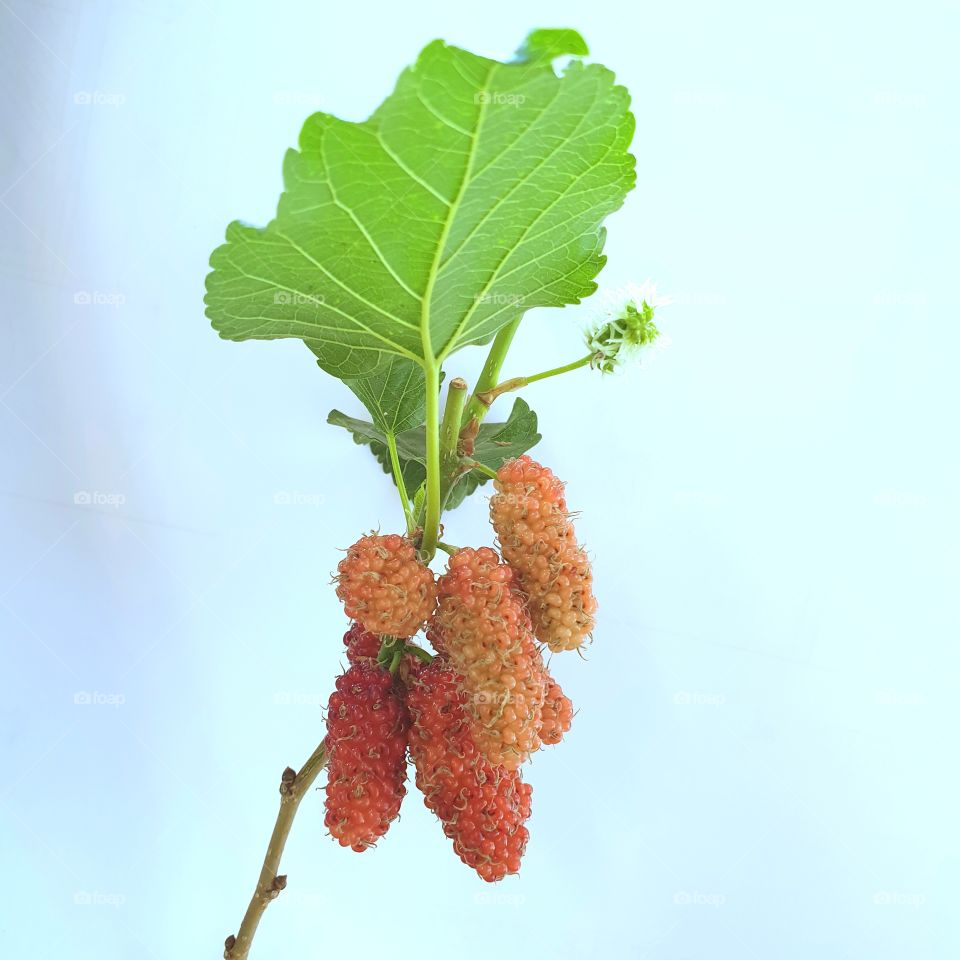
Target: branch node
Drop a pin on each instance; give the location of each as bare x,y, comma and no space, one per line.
287,779
228,946
468,435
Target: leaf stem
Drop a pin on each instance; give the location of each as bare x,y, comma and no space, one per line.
487,397
431,518
490,373
418,652
483,468
293,787
398,479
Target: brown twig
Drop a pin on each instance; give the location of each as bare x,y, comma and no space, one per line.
293,786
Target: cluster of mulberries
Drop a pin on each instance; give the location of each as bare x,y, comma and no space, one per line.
385,587
536,537
471,717
366,756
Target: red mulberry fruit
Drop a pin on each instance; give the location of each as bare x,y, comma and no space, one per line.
483,808
537,539
384,586
362,646
366,756
485,631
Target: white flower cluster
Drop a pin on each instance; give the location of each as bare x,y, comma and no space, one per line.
626,325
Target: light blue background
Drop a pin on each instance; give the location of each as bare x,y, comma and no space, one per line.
763,765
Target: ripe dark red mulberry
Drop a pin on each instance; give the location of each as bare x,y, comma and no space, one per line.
483,808
384,586
366,756
362,646
485,631
537,539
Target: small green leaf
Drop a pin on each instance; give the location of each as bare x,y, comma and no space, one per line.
418,499
394,396
495,444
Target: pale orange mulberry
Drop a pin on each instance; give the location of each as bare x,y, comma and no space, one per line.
483,627
557,713
537,538
385,587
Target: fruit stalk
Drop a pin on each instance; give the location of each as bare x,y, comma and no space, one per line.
401,486
516,383
431,518
476,409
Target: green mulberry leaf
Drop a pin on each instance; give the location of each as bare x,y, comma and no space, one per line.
476,191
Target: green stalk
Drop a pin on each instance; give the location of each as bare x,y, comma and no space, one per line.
450,460
491,371
401,486
452,414
488,396
431,516
474,465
